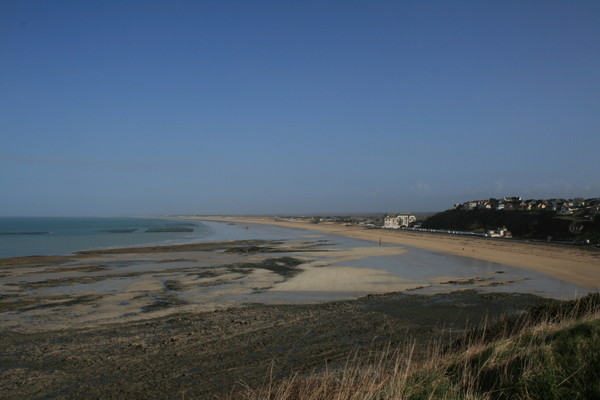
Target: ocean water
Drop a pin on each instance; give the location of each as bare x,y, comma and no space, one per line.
56,236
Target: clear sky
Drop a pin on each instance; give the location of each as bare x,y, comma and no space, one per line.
298,107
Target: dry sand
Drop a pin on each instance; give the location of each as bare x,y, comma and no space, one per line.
168,322
95,288
578,266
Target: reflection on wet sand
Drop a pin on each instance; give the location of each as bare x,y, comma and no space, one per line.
120,285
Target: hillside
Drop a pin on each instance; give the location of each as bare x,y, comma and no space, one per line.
550,352
522,224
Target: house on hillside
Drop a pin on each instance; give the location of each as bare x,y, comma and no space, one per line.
524,205
565,210
510,206
484,205
579,202
554,205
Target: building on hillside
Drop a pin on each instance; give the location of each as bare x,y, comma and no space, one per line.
565,210
485,205
510,206
396,221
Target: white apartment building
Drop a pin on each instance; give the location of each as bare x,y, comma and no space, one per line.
396,221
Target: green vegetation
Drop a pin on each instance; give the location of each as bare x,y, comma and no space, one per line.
551,352
524,224
592,231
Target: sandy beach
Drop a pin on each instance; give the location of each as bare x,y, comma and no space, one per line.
195,320
93,288
579,266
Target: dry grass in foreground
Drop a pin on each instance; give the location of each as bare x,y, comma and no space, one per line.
550,352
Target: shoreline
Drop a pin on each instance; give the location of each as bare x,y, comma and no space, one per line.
573,265
187,320
91,288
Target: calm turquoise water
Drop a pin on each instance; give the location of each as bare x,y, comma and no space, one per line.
56,236
52,236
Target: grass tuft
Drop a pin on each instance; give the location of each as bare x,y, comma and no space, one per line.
550,352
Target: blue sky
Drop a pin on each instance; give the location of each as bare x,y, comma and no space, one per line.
299,107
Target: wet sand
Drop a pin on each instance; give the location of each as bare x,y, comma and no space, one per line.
94,288
578,266
193,321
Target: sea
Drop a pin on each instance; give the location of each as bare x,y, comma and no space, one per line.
62,236
58,236
29,236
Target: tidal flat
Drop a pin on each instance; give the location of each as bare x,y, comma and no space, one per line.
196,320
119,285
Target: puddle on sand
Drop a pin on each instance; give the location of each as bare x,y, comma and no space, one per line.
424,267
421,270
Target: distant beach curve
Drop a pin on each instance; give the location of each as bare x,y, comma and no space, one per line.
577,266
